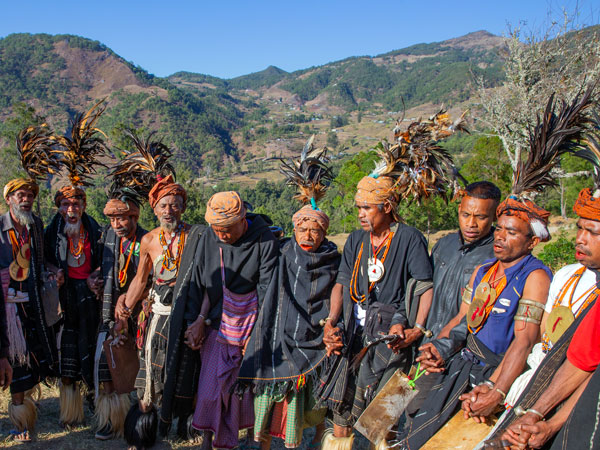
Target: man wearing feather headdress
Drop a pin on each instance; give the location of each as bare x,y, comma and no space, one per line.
571,322
72,249
383,290
238,263
171,314
32,350
568,374
285,351
502,324
120,258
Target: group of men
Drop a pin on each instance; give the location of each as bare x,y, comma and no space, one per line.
238,330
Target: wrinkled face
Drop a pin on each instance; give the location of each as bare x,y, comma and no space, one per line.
168,211
21,200
71,209
123,225
513,239
230,234
587,243
309,235
374,217
475,217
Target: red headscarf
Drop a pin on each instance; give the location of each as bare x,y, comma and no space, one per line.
166,186
587,206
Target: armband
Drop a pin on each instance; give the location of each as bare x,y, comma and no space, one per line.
467,294
427,333
529,311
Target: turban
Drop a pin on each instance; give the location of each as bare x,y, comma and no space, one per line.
116,207
69,192
308,213
377,191
528,212
587,206
166,186
20,183
224,209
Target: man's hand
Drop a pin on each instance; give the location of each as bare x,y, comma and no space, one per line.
517,433
541,432
480,403
332,338
6,373
430,359
120,331
410,336
121,311
195,334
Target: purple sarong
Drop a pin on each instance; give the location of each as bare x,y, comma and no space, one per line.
217,409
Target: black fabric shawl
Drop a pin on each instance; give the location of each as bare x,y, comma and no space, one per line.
249,264
581,428
56,244
406,259
46,338
287,340
187,300
542,377
110,271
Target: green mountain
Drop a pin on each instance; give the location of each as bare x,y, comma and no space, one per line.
203,116
437,73
61,75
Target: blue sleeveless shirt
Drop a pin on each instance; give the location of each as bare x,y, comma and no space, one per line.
498,331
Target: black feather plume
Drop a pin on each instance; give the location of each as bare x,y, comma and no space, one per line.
136,174
309,174
563,128
83,147
37,151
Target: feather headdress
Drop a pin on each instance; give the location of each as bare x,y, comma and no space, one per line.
309,174
563,128
38,156
36,147
83,147
419,166
140,169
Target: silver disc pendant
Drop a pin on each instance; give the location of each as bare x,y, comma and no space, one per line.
121,261
376,270
75,262
163,274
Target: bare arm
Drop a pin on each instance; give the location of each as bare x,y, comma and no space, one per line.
530,428
138,285
513,363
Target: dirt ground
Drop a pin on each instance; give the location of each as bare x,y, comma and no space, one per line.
51,436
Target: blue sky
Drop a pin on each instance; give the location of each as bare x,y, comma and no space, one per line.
232,38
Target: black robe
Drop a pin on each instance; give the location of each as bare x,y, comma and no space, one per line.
81,309
345,393
43,344
182,364
249,264
287,340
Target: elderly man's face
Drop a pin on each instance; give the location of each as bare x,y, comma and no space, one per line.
123,225
309,235
168,211
587,243
21,200
513,239
71,209
232,233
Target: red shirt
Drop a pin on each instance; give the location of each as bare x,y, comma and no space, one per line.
584,349
81,273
